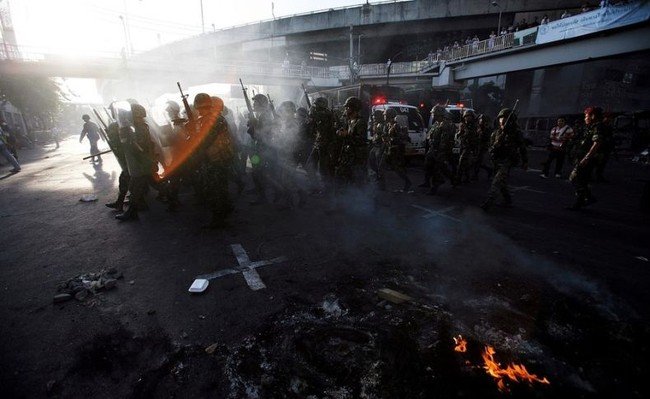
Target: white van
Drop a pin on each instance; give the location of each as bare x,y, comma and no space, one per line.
456,112
407,116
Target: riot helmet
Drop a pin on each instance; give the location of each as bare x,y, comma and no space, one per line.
202,100
138,111
353,103
320,102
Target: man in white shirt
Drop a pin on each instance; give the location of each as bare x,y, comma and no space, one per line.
557,149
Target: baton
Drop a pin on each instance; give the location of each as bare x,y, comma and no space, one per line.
99,153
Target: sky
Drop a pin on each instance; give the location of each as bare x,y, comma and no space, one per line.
107,26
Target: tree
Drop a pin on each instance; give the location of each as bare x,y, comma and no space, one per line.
486,98
37,97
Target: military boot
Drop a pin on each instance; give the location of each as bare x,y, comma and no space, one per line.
130,214
118,205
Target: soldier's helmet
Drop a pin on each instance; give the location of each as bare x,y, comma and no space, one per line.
439,110
217,102
260,100
85,117
302,113
504,113
173,107
469,112
353,103
202,100
287,108
390,114
320,102
138,111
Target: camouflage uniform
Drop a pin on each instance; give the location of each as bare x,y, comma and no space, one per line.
469,147
396,139
322,124
350,164
439,155
139,156
216,155
507,149
581,174
113,135
482,158
262,157
376,154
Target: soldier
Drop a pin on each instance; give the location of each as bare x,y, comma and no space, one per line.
91,130
322,123
468,138
588,149
608,147
262,157
377,150
237,174
139,155
507,149
351,160
215,155
113,135
396,137
484,131
291,144
437,161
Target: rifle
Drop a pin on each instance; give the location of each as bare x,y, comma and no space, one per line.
497,143
186,105
249,106
514,107
306,96
275,114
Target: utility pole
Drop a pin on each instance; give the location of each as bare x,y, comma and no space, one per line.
4,38
202,20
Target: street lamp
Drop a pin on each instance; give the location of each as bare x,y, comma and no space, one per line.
495,4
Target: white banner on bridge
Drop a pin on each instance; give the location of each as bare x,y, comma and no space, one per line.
613,16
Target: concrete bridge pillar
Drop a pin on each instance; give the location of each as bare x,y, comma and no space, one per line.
536,92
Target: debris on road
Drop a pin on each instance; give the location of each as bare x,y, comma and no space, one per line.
88,198
84,285
199,285
62,298
210,349
393,296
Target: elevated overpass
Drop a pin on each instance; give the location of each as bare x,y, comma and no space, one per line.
157,71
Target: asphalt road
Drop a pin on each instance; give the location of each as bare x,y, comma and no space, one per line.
564,293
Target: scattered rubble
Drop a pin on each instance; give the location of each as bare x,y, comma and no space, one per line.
86,285
393,296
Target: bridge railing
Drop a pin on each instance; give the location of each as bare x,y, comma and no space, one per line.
492,44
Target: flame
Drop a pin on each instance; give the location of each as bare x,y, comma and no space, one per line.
515,372
186,148
461,344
